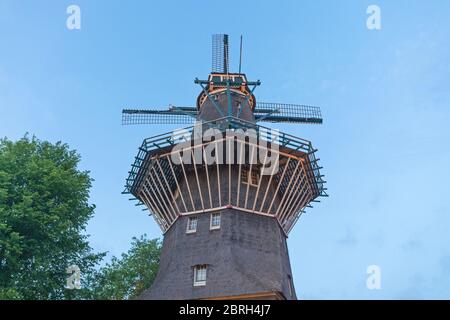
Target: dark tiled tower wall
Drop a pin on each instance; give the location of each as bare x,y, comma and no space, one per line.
247,255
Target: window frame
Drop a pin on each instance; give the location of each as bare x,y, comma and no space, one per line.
249,174
211,227
188,230
256,173
197,269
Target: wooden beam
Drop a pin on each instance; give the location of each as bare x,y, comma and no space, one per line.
207,176
176,181
292,201
287,188
198,181
268,187
229,169
292,193
249,175
161,202
167,185
240,171
301,205
186,181
259,183
279,184
218,174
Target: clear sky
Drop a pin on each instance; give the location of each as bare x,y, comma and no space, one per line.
384,95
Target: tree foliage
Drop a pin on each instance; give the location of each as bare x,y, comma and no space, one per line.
127,277
44,210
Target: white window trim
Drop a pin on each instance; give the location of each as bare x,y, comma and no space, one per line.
249,178
203,282
211,227
188,223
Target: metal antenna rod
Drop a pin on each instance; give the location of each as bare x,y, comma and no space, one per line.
240,56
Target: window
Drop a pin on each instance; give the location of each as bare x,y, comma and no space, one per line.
253,179
215,221
244,176
199,275
191,225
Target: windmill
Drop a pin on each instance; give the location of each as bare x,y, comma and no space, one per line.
221,80
225,191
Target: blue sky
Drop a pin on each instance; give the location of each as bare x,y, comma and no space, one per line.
384,95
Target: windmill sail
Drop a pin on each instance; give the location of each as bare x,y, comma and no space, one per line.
264,112
220,53
171,115
290,113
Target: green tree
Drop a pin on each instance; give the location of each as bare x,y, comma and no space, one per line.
127,277
44,210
